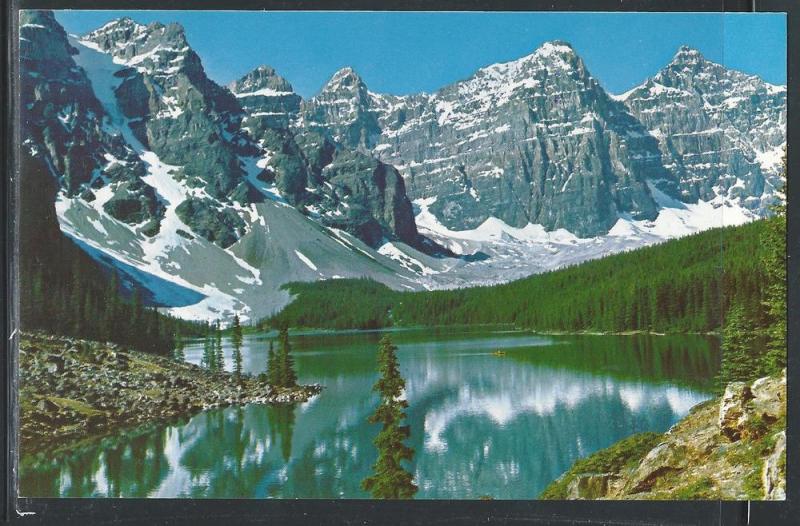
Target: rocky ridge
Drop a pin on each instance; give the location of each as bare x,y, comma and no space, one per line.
155,102
720,131
341,187
538,140
730,448
101,387
64,122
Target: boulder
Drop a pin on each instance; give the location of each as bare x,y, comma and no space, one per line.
769,397
773,476
665,458
590,486
733,410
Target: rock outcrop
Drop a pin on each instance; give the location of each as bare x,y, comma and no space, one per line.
101,387
63,122
730,448
325,172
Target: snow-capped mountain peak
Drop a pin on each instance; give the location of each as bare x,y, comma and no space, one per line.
524,166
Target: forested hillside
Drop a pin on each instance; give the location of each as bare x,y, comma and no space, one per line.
681,285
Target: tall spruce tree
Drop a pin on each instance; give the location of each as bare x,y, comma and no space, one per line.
236,340
774,263
273,375
219,355
287,377
740,359
390,480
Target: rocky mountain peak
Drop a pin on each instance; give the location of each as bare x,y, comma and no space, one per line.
146,47
346,79
712,122
686,54
263,80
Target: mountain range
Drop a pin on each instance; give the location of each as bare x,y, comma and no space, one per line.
212,197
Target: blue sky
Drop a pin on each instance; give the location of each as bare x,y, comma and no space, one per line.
404,53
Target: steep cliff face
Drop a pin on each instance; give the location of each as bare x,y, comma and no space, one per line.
720,132
321,172
63,123
173,108
536,140
345,109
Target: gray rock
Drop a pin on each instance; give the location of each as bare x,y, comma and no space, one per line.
733,410
773,475
534,140
589,486
714,126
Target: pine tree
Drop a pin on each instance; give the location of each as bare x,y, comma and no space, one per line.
236,340
208,353
219,356
273,376
390,480
740,361
774,263
286,374
179,355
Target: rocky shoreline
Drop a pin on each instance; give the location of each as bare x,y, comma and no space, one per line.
729,448
72,389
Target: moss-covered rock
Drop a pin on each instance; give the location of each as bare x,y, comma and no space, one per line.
730,448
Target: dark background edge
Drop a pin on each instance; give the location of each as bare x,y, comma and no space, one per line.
246,511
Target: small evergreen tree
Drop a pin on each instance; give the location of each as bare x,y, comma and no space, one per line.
179,354
207,360
286,375
273,376
219,356
740,360
236,340
390,480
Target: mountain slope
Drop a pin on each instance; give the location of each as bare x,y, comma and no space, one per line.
681,285
205,214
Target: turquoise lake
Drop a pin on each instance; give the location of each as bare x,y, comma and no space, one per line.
481,424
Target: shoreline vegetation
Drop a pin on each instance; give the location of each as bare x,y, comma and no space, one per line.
71,389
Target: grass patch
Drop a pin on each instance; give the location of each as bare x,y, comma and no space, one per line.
702,488
625,454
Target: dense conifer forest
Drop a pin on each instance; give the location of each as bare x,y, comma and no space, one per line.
729,280
684,285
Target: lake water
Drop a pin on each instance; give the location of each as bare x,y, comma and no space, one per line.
481,425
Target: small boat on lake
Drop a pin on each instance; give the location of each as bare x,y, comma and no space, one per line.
499,353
